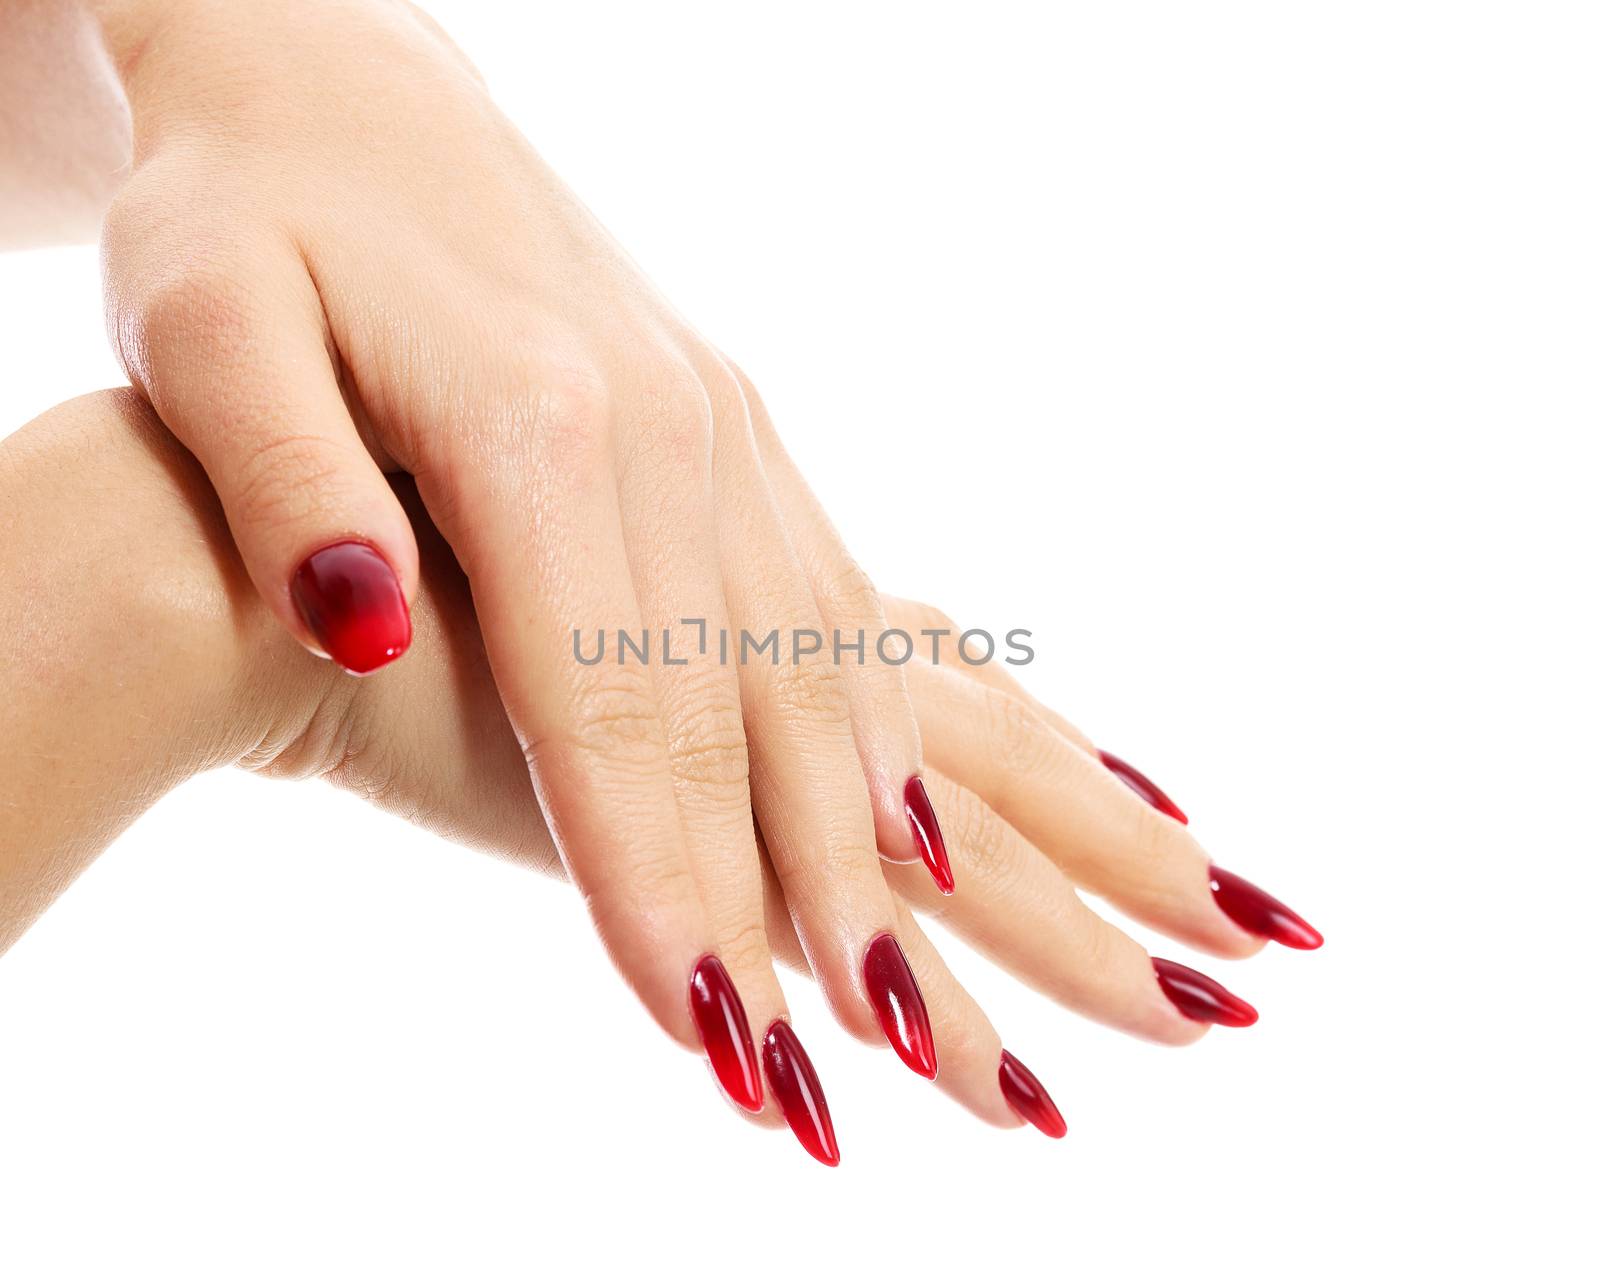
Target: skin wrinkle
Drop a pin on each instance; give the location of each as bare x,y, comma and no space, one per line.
328,211
429,741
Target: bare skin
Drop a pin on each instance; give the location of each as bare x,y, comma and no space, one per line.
329,257
123,681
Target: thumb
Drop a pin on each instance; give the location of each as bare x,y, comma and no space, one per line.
236,365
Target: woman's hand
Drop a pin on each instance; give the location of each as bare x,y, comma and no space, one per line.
334,259
204,677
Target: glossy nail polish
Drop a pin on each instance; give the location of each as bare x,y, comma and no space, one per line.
351,601
925,830
719,1017
794,1083
1200,998
897,1000
1028,1097
1143,786
1260,913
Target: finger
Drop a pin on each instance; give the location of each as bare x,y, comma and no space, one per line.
1022,912
935,635
885,728
672,531
929,627
977,1071
543,547
237,361
806,780
1060,798
973,1067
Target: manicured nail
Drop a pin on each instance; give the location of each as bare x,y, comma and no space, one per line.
1028,1098
1200,998
1143,786
719,1017
351,601
1260,913
794,1083
898,1002
925,830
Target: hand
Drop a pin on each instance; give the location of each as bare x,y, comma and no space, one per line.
334,259
430,740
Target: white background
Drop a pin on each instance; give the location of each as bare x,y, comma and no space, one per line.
1247,353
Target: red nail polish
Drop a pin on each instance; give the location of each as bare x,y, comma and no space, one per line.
897,999
1028,1098
1200,998
794,1083
719,1017
351,601
1260,913
1142,785
925,830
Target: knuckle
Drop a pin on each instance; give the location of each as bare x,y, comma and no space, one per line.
615,718
1160,850
674,393
1013,729
285,477
981,838
724,392
754,407
845,854
673,421
660,879
708,747
910,614
561,410
200,305
810,690
848,594
744,949
1103,952
572,406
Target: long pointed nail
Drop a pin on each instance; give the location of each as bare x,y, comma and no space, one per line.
351,601
897,1000
1028,1098
799,1092
1260,913
719,1017
1200,998
925,830
1142,785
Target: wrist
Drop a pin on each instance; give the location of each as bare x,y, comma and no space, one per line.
226,65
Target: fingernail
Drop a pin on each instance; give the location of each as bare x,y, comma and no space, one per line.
1142,785
925,830
351,601
1028,1097
719,1017
1260,913
794,1083
898,1002
1200,998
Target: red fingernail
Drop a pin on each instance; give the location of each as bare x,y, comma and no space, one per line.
724,1031
1200,998
925,830
351,601
1143,786
898,1002
1260,913
799,1092
1028,1098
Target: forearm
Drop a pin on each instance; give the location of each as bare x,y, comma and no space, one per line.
133,652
